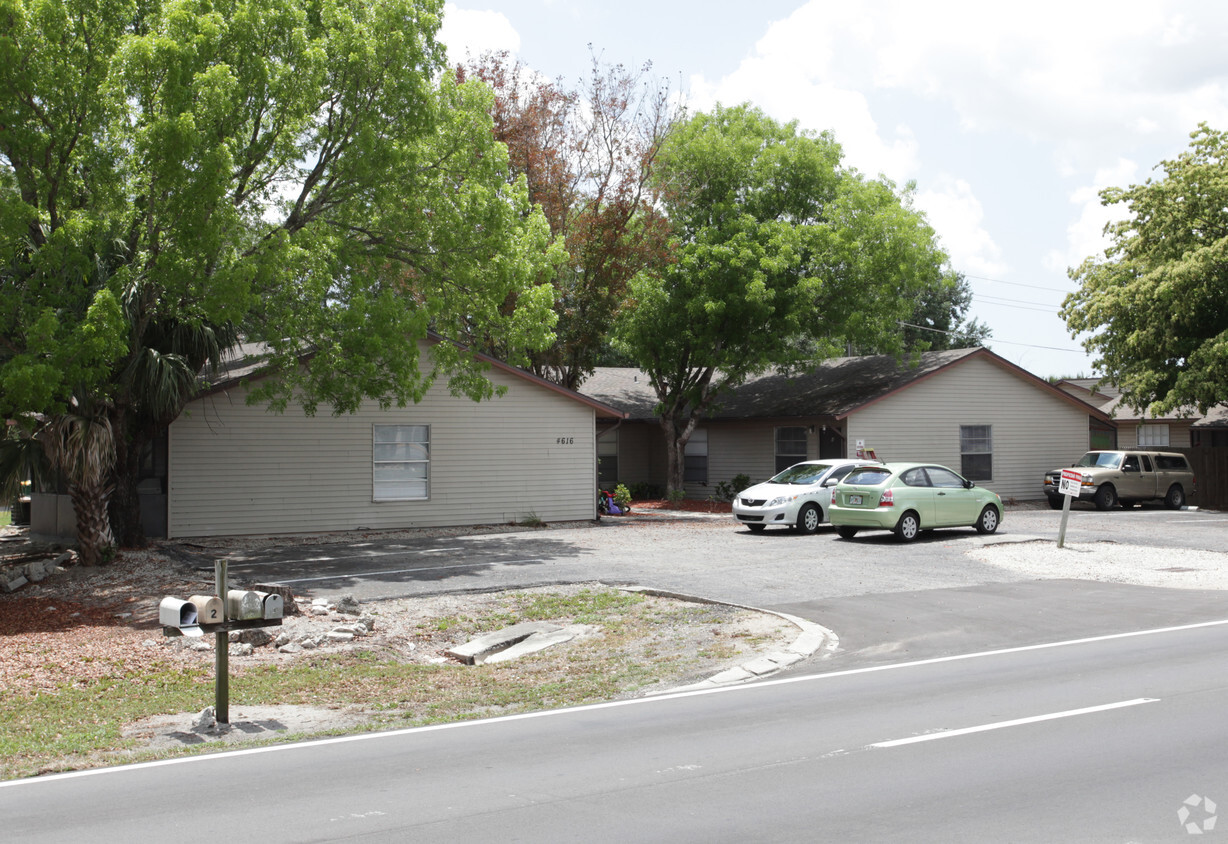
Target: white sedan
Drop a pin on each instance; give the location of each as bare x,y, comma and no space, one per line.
797,498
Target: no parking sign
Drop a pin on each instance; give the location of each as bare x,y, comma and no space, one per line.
1072,480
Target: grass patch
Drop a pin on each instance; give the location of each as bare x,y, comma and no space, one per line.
6,517
638,646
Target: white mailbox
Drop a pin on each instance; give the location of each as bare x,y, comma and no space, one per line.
243,605
177,614
273,605
208,609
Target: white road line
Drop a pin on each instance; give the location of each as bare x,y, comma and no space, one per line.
1018,722
349,575
556,713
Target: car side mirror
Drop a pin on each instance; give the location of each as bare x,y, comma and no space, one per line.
968,484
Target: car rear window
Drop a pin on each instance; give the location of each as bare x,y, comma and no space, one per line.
1171,463
868,476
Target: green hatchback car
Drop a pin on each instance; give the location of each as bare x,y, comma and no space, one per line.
908,498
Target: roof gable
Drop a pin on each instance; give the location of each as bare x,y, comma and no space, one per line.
247,360
837,388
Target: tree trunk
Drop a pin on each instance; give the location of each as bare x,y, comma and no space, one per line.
677,434
95,543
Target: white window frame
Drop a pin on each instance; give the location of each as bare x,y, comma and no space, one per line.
1152,434
784,459
696,448
607,451
386,459
975,444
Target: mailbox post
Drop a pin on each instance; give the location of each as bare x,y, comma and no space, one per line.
221,652
230,609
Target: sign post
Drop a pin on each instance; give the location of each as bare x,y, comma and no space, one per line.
1072,481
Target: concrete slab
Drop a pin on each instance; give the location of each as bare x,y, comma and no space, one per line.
478,650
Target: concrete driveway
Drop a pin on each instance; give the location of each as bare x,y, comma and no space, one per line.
885,600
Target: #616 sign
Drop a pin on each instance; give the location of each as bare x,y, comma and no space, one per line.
1071,482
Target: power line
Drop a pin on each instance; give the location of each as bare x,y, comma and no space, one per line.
1017,284
993,339
1035,306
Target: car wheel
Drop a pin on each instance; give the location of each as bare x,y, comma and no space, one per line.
1055,502
1175,499
846,532
756,528
1106,497
988,520
809,519
908,527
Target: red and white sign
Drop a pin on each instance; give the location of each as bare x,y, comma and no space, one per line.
1072,481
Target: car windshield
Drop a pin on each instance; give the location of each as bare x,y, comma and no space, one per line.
802,473
870,476
1104,459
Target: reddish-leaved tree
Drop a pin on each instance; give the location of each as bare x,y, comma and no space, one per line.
587,155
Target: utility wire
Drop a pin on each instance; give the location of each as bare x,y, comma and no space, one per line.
1017,284
1034,306
993,339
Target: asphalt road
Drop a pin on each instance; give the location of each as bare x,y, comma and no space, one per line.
1105,740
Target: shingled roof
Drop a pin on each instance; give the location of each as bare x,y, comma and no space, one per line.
834,388
249,360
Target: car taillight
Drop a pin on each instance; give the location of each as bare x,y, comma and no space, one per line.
833,495
885,500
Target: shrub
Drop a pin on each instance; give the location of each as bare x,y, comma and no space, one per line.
644,491
622,496
726,490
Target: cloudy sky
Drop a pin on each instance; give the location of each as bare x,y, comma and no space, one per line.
1010,119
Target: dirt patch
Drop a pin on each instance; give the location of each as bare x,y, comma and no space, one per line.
247,724
83,626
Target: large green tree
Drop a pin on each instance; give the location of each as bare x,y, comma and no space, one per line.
940,317
1156,304
781,256
178,173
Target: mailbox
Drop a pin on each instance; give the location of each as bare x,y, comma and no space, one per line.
208,609
272,604
244,605
177,614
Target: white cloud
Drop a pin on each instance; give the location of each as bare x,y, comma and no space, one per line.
467,32
956,214
1085,234
1082,75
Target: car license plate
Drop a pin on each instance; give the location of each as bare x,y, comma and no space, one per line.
854,499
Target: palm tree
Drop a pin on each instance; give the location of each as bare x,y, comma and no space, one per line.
159,376
80,445
22,460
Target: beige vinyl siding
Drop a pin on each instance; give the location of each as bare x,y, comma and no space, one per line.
237,470
1033,431
740,448
1178,432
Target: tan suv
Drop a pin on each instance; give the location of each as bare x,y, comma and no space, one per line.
1128,477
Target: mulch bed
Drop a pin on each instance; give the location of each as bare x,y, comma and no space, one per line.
687,505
